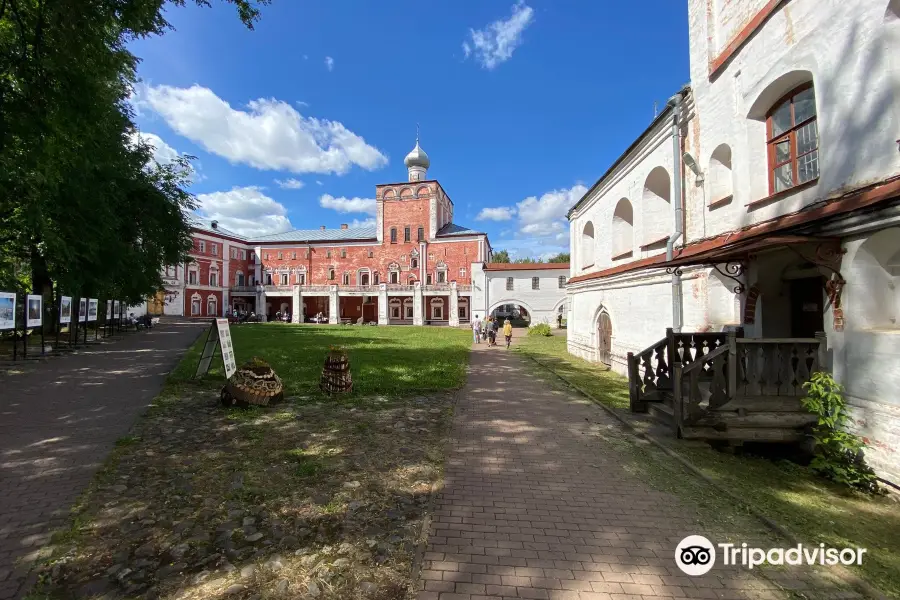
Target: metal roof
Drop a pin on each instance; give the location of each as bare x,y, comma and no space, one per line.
196,223
320,235
454,229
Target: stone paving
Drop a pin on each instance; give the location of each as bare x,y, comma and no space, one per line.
538,503
59,419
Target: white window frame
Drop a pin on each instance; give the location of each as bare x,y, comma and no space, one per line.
243,255
214,302
202,246
213,278
345,278
193,277
214,248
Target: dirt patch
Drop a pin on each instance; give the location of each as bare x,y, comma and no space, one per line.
321,500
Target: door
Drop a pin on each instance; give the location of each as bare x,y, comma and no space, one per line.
605,337
807,307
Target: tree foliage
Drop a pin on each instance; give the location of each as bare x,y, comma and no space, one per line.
562,257
82,204
500,256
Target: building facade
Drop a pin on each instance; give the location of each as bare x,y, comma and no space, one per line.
414,266
539,289
766,196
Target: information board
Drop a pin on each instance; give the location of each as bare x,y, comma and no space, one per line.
226,346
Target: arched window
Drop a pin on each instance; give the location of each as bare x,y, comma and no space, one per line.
239,279
793,140
623,230
362,277
587,246
331,274
721,186
656,207
211,306
195,305
346,279
375,278
396,310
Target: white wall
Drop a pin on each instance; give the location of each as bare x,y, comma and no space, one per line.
849,50
542,304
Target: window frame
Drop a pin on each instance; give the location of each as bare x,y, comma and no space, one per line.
393,235
346,279
535,283
562,281
510,284
420,234
202,245
407,234
790,135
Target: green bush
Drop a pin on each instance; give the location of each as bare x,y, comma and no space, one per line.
839,454
542,329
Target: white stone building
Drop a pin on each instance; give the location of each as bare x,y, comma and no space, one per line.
775,174
538,288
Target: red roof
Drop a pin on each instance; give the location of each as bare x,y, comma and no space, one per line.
525,266
709,249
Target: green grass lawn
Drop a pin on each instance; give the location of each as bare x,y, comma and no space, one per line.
392,361
812,508
594,378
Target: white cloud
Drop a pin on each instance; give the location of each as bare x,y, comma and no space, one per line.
496,43
162,152
542,229
289,184
364,223
269,134
329,63
319,182
500,213
245,210
348,205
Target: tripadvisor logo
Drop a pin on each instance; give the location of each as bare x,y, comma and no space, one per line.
695,555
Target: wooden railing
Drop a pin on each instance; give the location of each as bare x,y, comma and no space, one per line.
744,376
650,371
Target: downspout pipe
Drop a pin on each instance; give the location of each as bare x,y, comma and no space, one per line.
677,211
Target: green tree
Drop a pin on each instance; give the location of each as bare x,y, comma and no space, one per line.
500,256
528,261
562,257
81,204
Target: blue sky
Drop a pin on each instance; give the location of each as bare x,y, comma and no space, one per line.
521,105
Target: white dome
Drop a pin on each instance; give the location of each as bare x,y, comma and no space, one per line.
417,158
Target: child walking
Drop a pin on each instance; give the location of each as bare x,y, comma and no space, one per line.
507,332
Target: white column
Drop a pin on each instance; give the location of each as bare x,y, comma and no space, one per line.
454,305
226,309
333,306
382,304
260,302
418,304
298,306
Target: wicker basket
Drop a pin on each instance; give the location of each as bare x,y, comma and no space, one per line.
253,385
336,377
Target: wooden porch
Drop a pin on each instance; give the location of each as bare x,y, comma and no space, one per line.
725,387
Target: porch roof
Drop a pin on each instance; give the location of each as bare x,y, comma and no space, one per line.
774,233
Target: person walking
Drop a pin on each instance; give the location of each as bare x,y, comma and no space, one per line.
485,327
476,329
559,321
495,327
507,332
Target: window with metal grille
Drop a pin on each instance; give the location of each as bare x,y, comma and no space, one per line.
793,140
535,283
562,281
510,283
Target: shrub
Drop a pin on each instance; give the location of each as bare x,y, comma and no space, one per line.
838,454
540,329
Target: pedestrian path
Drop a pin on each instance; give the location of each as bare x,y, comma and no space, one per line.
538,503
59,419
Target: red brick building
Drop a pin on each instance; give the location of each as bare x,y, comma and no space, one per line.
413,266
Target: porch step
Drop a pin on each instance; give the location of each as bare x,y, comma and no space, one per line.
662,412
742,434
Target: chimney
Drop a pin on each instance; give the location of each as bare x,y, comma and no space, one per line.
322,227
215,224
343,226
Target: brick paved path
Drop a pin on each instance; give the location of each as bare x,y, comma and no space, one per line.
59,420
537,504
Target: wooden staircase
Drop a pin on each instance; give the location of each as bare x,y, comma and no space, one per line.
724,387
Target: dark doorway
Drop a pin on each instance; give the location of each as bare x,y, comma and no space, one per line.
807,307
605,335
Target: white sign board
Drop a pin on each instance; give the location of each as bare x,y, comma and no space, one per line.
92,309
116,310
227,348
109,312
7,310
65,309
34,309
82,310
